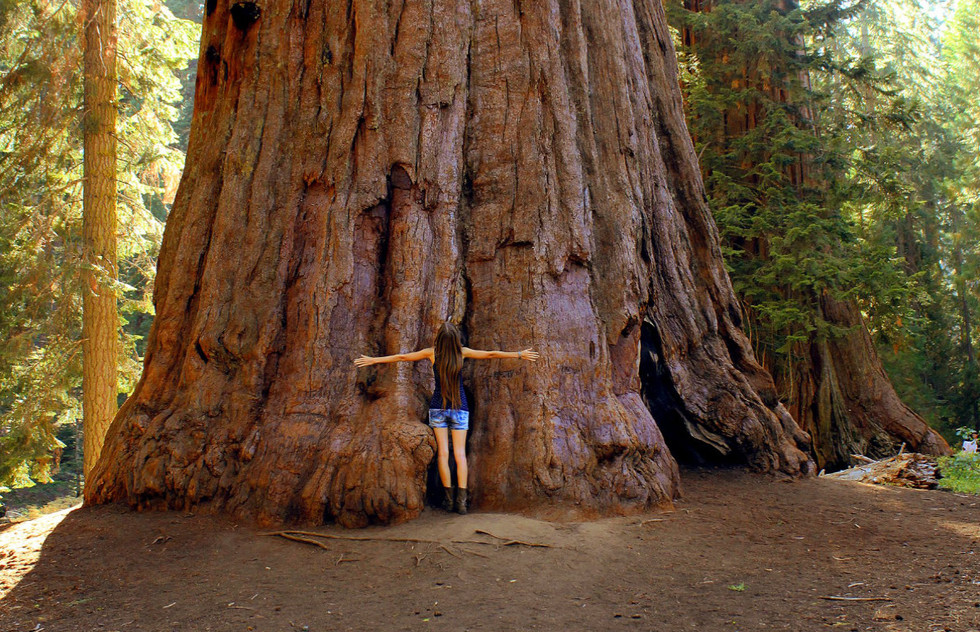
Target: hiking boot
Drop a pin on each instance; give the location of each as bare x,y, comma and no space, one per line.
461,501
447,500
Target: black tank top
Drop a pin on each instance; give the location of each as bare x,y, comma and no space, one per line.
436,401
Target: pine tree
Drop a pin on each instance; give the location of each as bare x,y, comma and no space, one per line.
100,319
40,209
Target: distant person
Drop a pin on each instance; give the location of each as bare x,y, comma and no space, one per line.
448,409
970,445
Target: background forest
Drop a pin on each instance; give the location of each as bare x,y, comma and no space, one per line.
839,146
41,209
879,97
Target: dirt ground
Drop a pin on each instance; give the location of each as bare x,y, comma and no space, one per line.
741,552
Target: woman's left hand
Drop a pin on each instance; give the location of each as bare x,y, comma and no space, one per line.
364,361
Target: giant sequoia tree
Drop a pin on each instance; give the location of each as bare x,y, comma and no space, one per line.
359,172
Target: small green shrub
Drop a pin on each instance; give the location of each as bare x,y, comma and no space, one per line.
960,473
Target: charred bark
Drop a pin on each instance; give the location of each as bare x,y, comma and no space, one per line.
356,177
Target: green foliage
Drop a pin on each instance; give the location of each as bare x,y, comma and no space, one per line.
960,473
40,208
773,175
839,143
912,159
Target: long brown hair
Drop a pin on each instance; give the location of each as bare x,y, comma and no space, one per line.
449,360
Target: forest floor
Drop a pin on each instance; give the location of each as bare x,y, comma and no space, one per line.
740,552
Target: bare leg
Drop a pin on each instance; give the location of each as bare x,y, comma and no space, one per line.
459,451
442,455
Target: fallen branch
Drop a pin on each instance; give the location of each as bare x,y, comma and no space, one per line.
484,542
839,598
333,536
297,538
509,542
448,550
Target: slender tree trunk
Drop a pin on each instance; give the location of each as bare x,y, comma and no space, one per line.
972,372
100,322
354,178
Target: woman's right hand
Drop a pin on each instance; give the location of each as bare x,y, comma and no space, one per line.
530,355
364,361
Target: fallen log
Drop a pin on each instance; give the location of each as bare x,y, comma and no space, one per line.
905,469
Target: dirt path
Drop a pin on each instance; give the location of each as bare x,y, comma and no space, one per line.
742,552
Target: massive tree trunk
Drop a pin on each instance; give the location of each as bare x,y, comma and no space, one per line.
838,392
100,322
356,175
846,401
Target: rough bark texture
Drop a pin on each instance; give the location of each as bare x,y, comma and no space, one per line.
846,401
841,396
100,322
358,174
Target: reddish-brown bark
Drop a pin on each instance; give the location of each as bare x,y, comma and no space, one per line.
358,174
846,401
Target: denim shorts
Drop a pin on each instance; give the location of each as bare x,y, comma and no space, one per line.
449,417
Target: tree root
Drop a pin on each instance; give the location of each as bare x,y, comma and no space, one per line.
508,541
297,537
288,534
839,598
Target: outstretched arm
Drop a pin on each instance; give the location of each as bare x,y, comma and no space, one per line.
421,354
527,354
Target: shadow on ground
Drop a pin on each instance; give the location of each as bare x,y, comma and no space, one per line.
741,552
